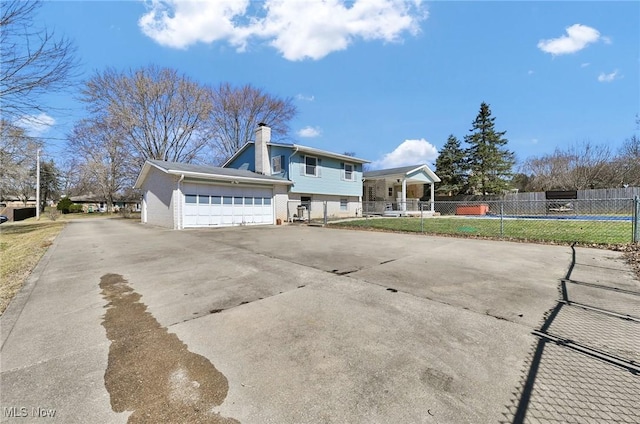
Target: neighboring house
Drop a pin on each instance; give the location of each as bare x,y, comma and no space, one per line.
92,203
178,195
16,202
317,177
398,191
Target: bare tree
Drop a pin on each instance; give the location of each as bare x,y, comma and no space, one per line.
103,160
580,166
628,162
238,111
158,113
17,162
590,165
34,61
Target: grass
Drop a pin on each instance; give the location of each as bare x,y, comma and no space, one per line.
587,232
22,245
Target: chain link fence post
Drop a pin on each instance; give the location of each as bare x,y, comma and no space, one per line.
422,217
502,219
636,219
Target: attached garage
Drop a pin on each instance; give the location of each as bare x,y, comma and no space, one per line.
180,196
214,205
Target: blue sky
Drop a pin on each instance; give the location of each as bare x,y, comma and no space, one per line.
386,79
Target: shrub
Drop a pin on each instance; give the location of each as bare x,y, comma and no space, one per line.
53,214
64,205
75,208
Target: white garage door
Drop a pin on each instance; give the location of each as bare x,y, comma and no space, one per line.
207,205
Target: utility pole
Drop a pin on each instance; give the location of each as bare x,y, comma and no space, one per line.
38,184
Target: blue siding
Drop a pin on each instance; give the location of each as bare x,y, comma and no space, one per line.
421,176
330,179
246,160
281,151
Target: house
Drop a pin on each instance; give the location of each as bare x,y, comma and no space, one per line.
317,177
178,195
92,203
263,183
398,191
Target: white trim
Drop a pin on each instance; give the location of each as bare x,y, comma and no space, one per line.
344,171
315,168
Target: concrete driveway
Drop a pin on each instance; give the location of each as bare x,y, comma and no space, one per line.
124,322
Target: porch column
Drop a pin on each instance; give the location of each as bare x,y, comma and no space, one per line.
404,194
432,197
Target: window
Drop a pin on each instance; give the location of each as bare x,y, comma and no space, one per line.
267,200
226,200
257,200
237,200
203,200
310,166
190,198
344,204
348,172
276,164
215,200
248,200
390,191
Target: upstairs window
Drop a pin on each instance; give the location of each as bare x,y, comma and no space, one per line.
311,166
348,173
276,164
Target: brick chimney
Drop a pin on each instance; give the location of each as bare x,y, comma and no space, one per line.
263,136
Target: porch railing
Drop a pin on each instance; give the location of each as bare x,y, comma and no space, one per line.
381,207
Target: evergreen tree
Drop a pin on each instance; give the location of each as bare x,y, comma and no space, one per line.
451,167
488,160
49,183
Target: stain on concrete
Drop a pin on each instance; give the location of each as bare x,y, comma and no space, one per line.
150,371
437,379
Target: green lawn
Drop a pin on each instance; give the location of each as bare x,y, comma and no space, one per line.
597,232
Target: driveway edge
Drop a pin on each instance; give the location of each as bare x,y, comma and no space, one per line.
16,305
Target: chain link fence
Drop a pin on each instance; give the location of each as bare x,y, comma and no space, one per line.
597,221
585,366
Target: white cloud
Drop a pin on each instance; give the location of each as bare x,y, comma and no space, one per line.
36,126
606,39
298,29
410,152
302,97
584,65
609,77
577,38
309,132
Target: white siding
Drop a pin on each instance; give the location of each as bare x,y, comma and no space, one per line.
280,200
333,205
159,198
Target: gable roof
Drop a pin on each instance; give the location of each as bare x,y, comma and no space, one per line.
401,172
206,172
302,149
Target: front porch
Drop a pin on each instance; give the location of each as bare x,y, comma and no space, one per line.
399,191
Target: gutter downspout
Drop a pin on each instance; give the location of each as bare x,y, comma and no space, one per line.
292,155
179,202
